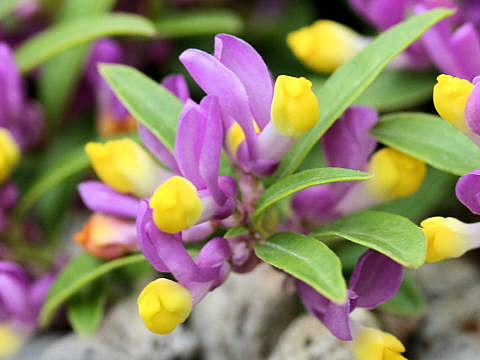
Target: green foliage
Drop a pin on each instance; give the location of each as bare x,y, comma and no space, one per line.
408,301
6,7
392,235
304,179
348,82
306,259
236,231
61,73
431,139
149,102
86,308
193,23
64,36
80,272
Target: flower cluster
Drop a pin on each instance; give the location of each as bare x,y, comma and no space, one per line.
183,196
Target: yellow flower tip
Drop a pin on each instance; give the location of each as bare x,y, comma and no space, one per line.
446,238
374,344
10,342
125,166
9,154
163,304
450,94
325,45
294,106
176,205
235,136
396,174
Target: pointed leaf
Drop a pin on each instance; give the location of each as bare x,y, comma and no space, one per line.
431,139
392,235
149,102
304,179
348,82
64,36
306,259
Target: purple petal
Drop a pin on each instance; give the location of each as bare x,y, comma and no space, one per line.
38,292
28,132
9,195
103,51
11,89
381,13
145,242
13,291
212,148
177,85
337,320
101,198
247,64
198,232
375,279
317,203
472,109
188,145
468,191
157,148
215,252
465,45
216,79
347,143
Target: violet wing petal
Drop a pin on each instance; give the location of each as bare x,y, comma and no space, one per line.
468,191
375,279
103,51
11,88
157,148
212,148
241,58
177,85
14,297
465,45
101,198
381,13
214,253
145,242
313,301
216,79
337,320
472,109
189,141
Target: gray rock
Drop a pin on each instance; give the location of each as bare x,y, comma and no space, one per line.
307,339
123,336
244,317
451,327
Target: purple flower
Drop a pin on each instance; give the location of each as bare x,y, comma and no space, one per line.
21,117
375,279
468,191
260,129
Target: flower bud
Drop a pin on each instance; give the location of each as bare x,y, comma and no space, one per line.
176,205
374,344
446,237
450,95
163,304
325,45
126,166
10,342
396,174
108,237
9,154
294,106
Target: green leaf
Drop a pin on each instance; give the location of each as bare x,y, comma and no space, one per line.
306,259
236,231
206,22
431,139
437,188
149,102
7,7
78,273
70,164
64,36
348,82
398,90
392,235
408,301
302,180
86,308
60,74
